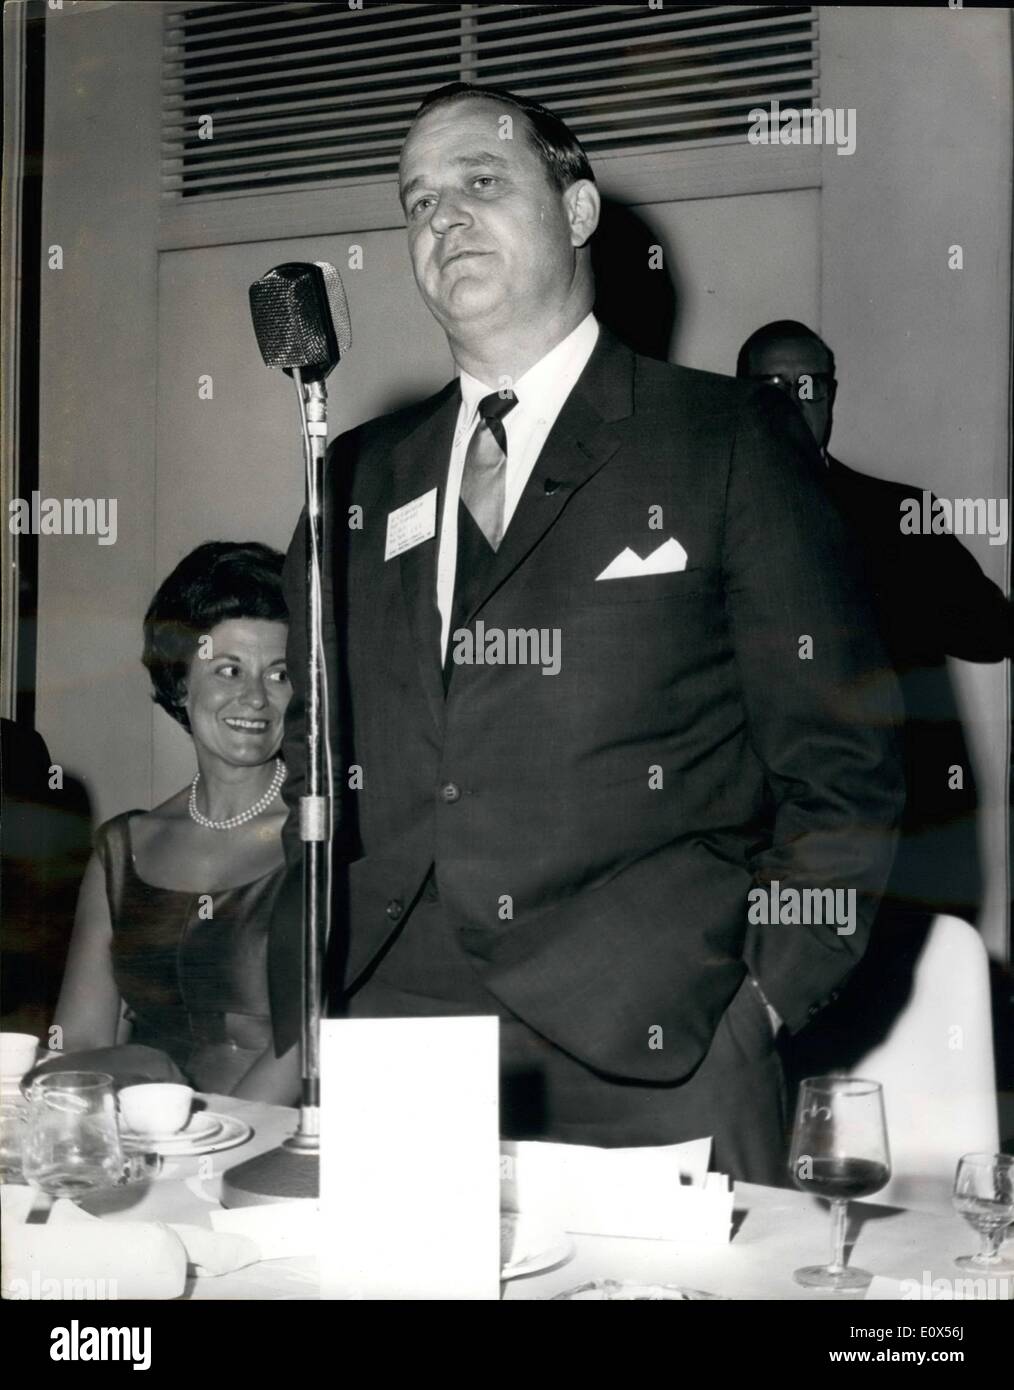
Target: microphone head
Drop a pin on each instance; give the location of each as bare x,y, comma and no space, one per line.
293,322
338,305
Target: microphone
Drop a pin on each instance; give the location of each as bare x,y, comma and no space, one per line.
301,318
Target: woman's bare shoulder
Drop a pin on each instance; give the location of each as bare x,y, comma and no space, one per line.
173,808
147,826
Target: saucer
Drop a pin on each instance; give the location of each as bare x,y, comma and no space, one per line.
226,1132
201,1125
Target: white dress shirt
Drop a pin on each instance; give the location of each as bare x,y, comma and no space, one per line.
541,394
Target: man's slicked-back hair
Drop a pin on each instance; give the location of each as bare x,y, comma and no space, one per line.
555,143
780,331
217,581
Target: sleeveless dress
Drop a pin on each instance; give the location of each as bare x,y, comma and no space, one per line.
190,967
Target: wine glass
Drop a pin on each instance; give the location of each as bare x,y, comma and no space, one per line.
71,1142
984,1195
839,1151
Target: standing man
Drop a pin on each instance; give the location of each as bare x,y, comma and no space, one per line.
932,596
933,601
604,665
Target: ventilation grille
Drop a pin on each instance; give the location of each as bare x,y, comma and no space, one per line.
314,95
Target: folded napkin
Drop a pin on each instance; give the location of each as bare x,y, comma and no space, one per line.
278,1230
76,1256
210,1253
230,1245
661,1192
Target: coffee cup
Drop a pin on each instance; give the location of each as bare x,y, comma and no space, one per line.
17,1055
156,1109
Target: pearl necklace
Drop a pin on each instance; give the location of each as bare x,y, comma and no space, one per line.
244,816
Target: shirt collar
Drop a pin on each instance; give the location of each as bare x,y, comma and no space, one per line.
535,389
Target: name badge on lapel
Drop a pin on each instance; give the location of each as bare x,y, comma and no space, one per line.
411,524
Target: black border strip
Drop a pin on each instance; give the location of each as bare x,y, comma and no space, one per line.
29,324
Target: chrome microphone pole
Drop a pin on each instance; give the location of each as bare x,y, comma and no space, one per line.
292,1172
301,320
315,804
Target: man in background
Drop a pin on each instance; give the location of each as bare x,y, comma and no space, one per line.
933,601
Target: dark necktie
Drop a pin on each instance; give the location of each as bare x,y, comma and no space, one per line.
480,509
483,483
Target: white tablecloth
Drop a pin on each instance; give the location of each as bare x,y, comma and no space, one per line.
775,1231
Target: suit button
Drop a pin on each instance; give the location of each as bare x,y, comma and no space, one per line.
450,792
394,909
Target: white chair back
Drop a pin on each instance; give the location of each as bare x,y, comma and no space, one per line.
936,1068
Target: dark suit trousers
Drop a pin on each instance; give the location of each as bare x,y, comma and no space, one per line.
736,1095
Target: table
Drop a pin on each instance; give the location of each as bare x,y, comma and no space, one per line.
775,1231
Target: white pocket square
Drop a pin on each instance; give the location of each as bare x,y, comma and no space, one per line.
669,558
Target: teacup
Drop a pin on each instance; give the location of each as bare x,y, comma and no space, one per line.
17,1055
156,1109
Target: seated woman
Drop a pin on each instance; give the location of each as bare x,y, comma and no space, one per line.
169,947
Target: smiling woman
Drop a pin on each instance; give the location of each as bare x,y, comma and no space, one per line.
170,940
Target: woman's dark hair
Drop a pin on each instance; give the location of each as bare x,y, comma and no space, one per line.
555,143
217,581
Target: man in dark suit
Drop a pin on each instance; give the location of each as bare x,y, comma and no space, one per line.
601,656
933,601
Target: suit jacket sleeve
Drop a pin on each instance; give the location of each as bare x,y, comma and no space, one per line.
954,608
822,713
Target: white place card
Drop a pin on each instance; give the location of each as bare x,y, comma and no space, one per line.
410,1158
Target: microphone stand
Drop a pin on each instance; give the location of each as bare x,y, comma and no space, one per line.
292,1171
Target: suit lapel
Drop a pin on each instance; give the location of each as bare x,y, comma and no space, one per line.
580,442
420,463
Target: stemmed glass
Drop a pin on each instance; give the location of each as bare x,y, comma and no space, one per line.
839,1151
984,1195
71,1142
